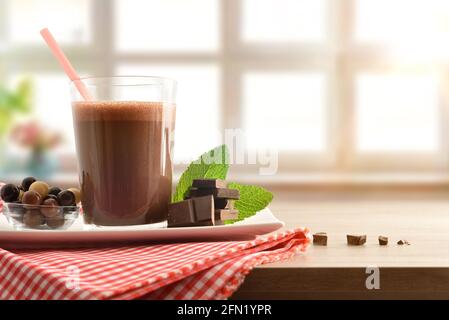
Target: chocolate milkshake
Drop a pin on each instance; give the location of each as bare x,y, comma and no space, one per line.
124,155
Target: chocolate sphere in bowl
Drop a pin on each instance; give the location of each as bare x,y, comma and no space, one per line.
56,221
66,198
26,183
31,198
54,191
9,193
50,207
33,218
77,193
51,196
40,187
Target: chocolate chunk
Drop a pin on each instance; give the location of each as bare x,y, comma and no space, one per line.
226,214
356,240
402,242
383,241
222,193
208,183
320,239
223,203
9,193
192,212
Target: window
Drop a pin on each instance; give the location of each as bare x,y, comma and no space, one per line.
322,81
286,110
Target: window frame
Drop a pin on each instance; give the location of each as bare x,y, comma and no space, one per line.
339,58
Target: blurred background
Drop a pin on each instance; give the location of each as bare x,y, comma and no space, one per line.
350,92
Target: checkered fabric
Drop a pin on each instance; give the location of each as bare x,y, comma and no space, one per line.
200,270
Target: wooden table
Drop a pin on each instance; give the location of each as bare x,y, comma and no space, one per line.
420,270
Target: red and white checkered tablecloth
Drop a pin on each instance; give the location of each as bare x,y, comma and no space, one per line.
201,270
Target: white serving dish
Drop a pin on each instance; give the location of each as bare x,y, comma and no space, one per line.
77,235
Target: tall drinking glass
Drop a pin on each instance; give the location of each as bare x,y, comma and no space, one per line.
124,140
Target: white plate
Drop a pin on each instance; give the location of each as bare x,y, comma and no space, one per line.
261,223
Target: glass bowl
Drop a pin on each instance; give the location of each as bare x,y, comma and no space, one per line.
40,217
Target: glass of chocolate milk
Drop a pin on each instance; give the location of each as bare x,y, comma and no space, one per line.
124,139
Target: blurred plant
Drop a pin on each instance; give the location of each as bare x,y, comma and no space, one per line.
13,102
32,135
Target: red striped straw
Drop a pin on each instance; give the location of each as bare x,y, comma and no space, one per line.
65,63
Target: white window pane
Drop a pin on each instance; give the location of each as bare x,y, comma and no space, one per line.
68,20
415,24
283,20
162,25
285,111
197,121
396,112
51,102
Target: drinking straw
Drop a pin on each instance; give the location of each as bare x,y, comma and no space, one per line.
65,63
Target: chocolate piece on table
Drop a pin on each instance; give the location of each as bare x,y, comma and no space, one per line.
192,212
356,240
383,241
216,192
320,239
208,183
226,214
223,203
401,242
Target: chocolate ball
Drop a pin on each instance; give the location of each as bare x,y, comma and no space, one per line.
50,207
66,198
56,221
26,183
40,187
9,193
51,196
33,219
31,199
54,191
77,193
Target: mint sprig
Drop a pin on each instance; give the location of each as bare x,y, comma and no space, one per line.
214,164
252,200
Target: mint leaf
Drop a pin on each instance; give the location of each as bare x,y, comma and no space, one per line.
213,164
252,199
